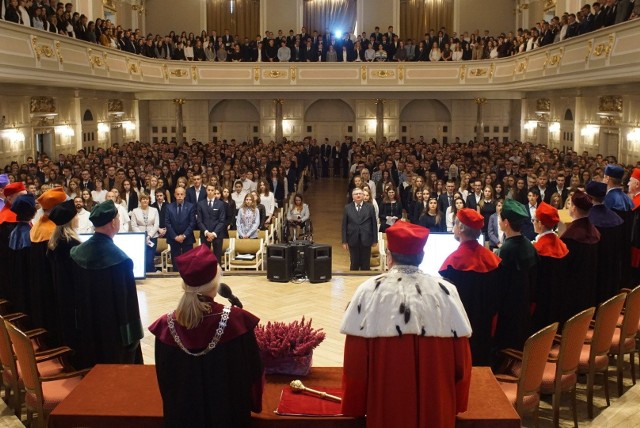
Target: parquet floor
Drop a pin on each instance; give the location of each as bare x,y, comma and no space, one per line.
325,304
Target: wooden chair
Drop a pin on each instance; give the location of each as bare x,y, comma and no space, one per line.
624,337
43,391
233,234
196,235
560,372
594,357
379,255
227,247
524,391
160,249
254,247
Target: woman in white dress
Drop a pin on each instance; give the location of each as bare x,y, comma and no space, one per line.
99,194
147,219
436,53
267,200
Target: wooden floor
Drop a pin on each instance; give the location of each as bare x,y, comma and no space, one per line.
325,304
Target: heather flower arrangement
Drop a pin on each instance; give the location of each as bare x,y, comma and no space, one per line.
296,339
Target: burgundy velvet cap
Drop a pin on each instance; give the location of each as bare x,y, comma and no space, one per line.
406,238
471,218
198,266
581,200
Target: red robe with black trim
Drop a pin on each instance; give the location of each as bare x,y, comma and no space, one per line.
635,251
220,388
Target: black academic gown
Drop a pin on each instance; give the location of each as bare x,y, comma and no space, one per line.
579,290
626,279
18,272
6,258
519,262
220,388
611,248
477,279
551,274
64,285
108,315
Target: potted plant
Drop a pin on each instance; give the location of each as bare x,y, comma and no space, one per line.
288,348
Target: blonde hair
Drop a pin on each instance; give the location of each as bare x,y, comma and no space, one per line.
65,232
191,309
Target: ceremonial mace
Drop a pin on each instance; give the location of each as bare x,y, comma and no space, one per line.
298,387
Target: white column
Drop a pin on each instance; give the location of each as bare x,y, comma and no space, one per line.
75,121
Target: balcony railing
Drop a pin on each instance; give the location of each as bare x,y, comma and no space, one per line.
33,57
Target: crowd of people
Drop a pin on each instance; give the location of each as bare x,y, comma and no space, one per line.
313,46
513,193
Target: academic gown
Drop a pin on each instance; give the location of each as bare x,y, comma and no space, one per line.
18,270
411,367
551,274
635,240
475,272
519,262
108,315
579,290
64,284
220,388
611,250
625,248
8,221
43,302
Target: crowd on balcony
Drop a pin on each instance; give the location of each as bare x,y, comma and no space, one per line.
315,47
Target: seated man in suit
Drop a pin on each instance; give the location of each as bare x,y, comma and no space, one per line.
180,220
212,221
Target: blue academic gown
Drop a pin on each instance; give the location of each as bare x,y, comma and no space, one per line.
617,200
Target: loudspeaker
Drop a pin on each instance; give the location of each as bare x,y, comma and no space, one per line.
280,262
318,262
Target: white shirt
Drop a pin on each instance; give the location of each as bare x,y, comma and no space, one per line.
269,203
84,224
123,215
98,196
148,221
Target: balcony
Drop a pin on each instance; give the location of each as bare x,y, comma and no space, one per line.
32,57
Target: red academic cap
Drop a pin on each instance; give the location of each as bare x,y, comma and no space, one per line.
14,188
406,238
636,174
198,266
547,215
471,218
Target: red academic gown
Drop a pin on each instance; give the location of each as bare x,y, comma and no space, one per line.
635,249
8,221
474,271
379,382
552,268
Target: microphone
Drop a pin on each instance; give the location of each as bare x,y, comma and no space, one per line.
225,291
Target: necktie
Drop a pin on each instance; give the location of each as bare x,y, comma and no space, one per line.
211,204
358,207
179,210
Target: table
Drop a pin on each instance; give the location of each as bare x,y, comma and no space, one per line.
128,396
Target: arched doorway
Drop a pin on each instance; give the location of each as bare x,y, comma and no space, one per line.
428,118
234,119
332,119
567,129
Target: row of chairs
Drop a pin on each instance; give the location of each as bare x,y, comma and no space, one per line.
550,363
33,376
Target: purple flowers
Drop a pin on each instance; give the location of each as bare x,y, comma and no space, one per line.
294,339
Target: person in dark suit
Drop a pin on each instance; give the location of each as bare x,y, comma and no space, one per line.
291,175
473,199
335,155
446,199
197,192
180,221
325,155
212,220
559,188
129,195
161,206
359,231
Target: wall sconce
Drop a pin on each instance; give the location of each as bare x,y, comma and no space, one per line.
127,125
530,125
103,127
65,131
634,135
13,135
554,126
589,130
287,126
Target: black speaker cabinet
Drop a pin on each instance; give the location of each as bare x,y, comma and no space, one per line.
280,260
318,262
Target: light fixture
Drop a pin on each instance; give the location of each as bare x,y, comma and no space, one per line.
65,131
128,125
530,125
554,127
634,135
13,134
589,131
103,127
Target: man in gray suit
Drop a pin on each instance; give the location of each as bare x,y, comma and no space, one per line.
359,230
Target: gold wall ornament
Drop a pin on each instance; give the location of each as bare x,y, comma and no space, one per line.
604,48
114,105
401,72
180,101
42,105
256,73
274,74
463,72
610,104
492,70
293,71
383,74
549,4
363,72
165,71
58,52
478,72
194,73
40,50
179,72
480,100
589,47
133,69
521,66
543,105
